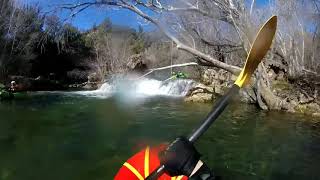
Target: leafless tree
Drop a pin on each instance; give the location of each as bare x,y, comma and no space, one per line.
219,33
111,48
141,8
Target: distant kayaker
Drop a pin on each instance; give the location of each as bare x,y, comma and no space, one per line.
13,86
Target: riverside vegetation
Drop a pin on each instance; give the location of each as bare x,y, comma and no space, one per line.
41,52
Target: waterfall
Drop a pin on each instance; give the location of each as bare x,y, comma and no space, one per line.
151,87
106,90
142,88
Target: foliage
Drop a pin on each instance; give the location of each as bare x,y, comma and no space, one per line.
32,44
138,42
113,45
2,87
20,31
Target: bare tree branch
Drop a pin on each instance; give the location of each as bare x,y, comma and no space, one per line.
132,7
180,45
168,67
251,7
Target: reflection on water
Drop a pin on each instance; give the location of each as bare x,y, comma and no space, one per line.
69,137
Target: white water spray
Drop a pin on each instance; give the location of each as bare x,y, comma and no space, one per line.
142,88
105,91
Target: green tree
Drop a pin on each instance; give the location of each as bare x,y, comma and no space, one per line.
138,41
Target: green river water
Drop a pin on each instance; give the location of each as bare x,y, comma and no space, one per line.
52,136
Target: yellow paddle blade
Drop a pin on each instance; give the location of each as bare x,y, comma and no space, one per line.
258,50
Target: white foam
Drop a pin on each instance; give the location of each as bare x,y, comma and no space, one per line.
141,88
105,91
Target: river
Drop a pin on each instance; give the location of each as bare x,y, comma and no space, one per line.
78,136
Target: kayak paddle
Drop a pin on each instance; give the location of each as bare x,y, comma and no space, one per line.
258,50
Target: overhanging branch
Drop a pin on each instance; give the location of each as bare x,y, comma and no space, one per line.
168,67
128,5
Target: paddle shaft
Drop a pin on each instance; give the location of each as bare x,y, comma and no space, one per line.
212,116
156,173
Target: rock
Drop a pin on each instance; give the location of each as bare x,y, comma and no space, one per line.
85,86
91,86
200,93
271,74
314,107
303,99
208,76
294,102
201,88
310,108
247,95
218,89
94,77
316,114
219,80
223,75
280,76
211,75
200,97
136,63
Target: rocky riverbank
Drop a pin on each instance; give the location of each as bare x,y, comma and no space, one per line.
300,96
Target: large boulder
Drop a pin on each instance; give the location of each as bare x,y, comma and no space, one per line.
199,97
200,93
213,82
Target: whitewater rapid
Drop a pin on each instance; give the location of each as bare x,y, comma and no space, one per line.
141,88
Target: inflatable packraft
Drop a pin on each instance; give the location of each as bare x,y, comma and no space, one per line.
139,166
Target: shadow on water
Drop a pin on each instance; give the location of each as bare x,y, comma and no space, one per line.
56,136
